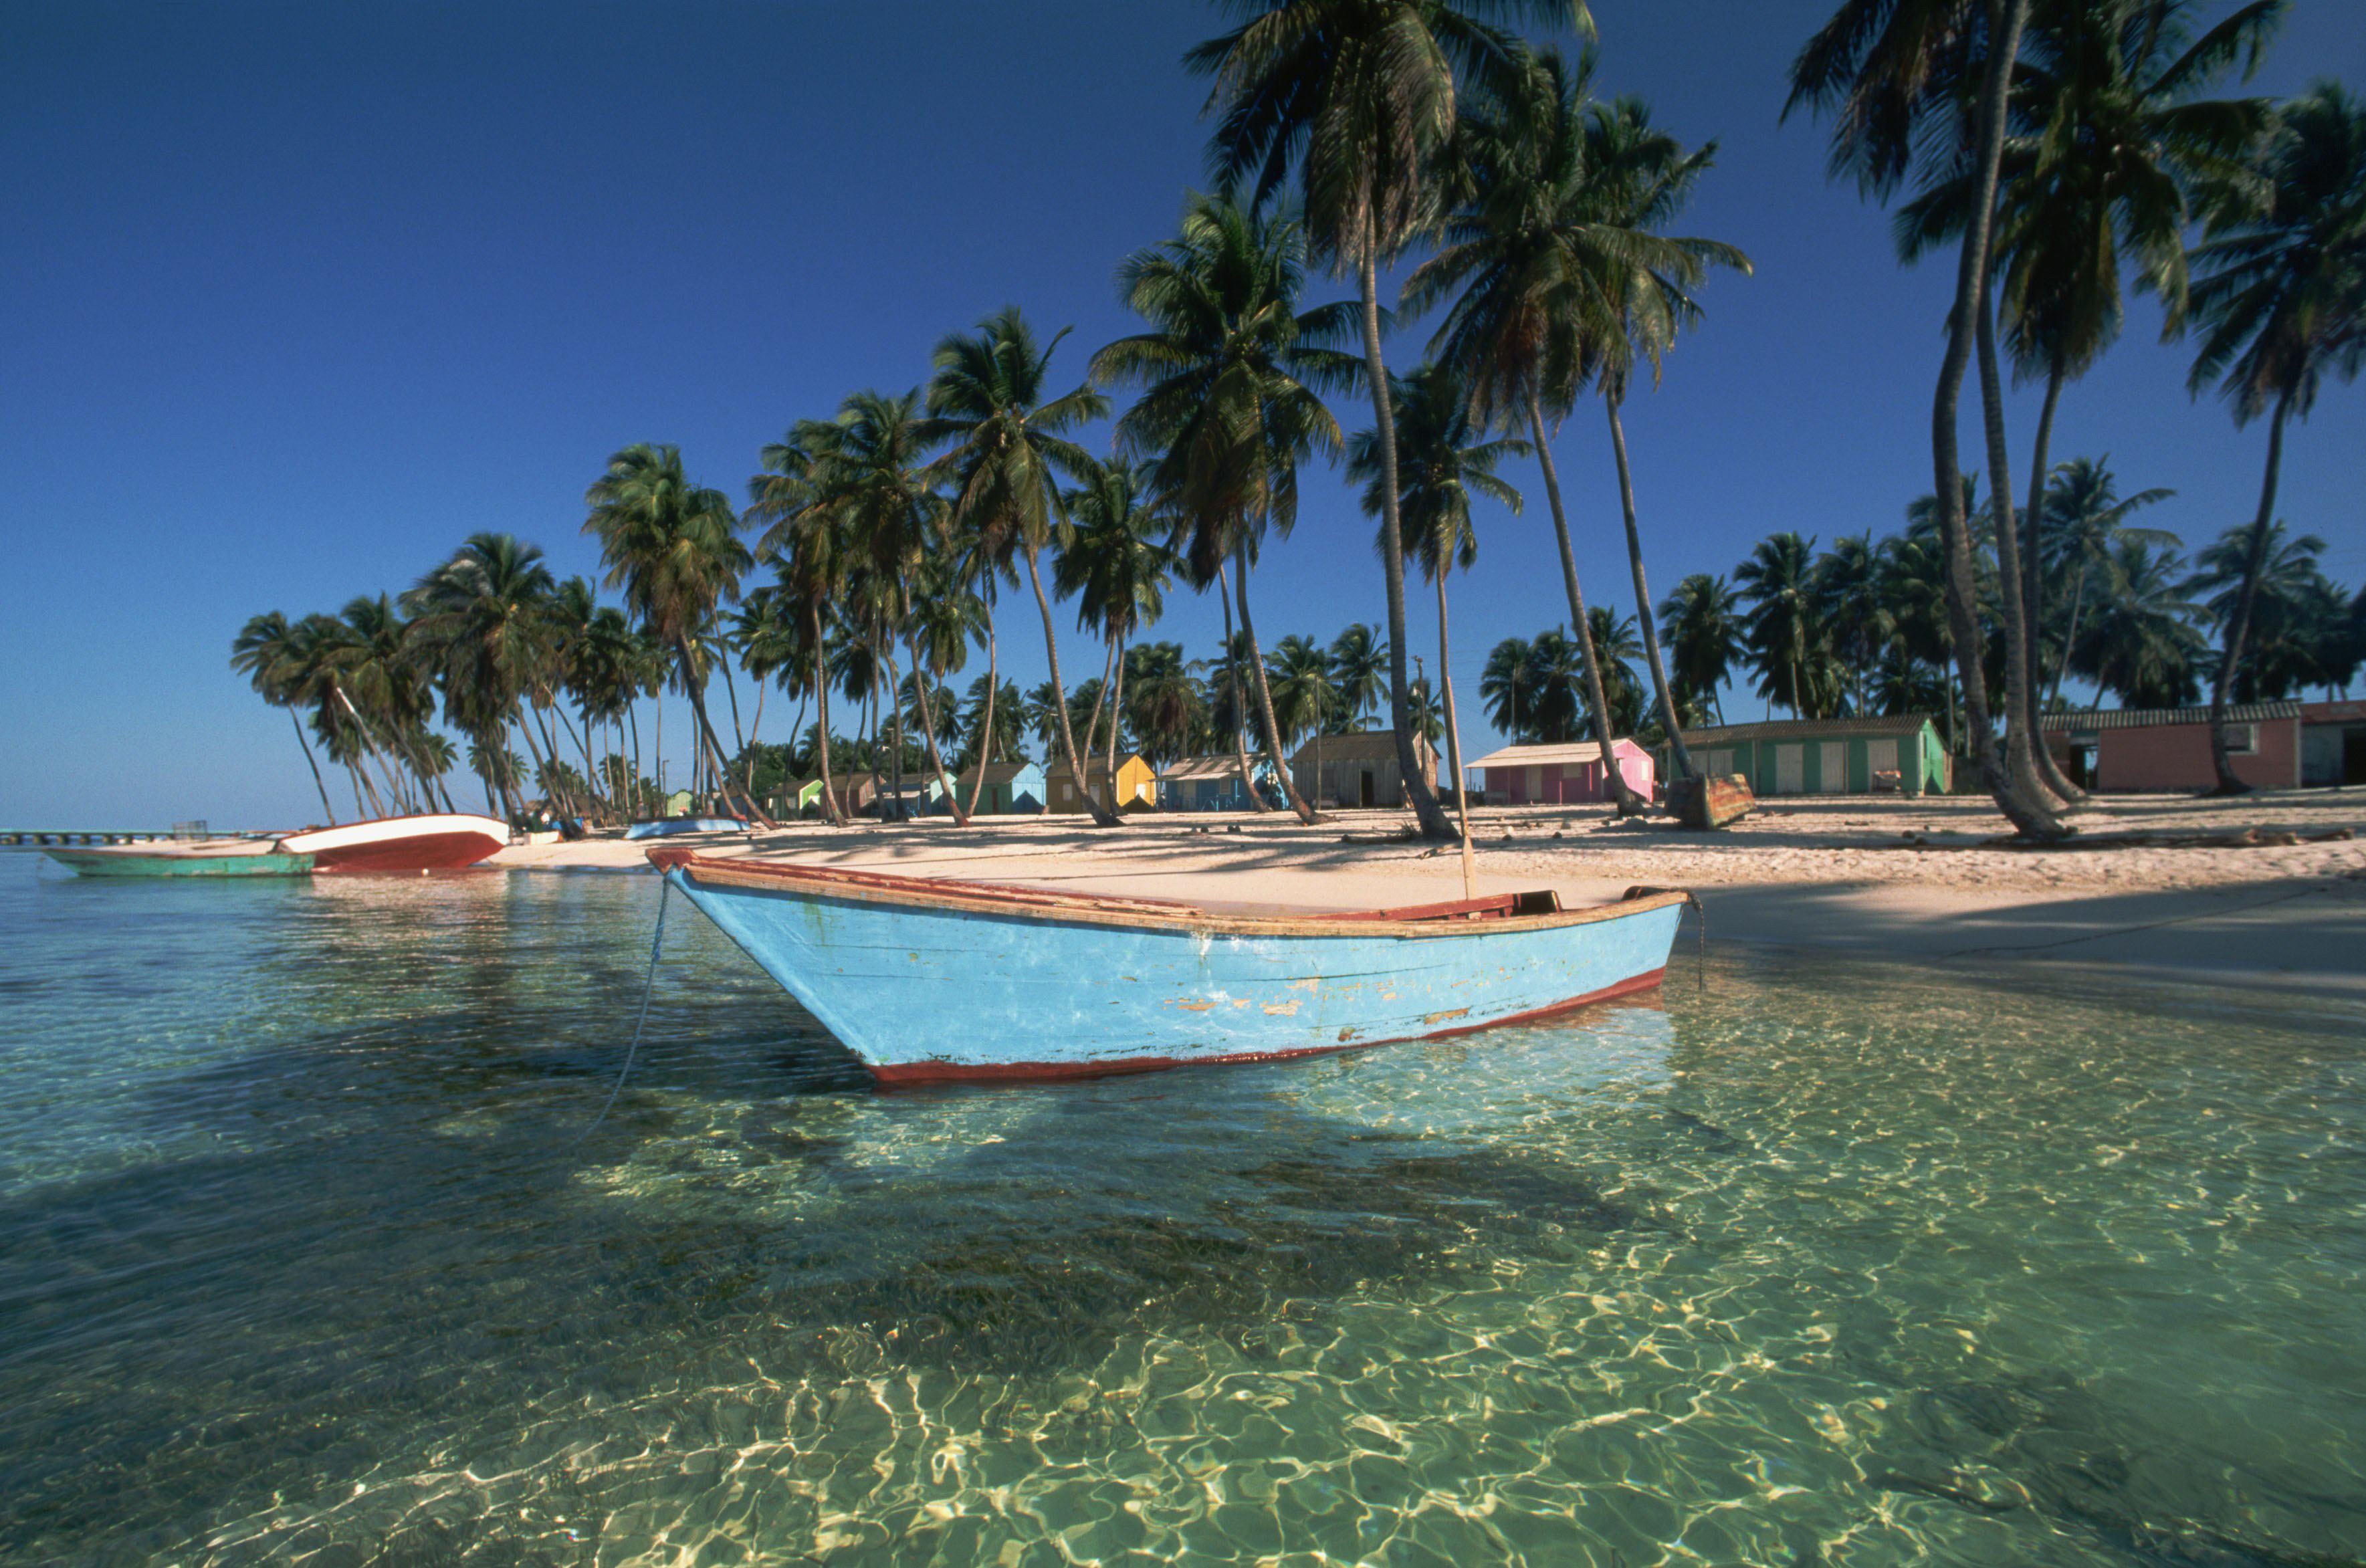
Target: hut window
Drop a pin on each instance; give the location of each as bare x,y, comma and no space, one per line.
2242,740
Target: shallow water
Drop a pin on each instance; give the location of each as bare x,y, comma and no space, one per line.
306,1257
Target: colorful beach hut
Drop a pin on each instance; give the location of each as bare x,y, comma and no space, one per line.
1356,770
1562,774
1011,789
2135,749
1213,784
1900,753
1137,784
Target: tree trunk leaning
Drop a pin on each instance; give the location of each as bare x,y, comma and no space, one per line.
1240,713
2033,581
1416,788
1298,802
1060,698
2238,629
1629,803
1678,755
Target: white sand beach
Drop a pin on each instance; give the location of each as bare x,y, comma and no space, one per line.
2159,883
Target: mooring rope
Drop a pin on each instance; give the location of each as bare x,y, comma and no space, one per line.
649,989
1700,925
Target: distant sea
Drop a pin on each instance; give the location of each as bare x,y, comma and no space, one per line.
311,1254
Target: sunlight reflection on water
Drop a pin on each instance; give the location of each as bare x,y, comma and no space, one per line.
301,1261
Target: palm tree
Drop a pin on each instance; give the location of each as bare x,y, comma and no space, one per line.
481,622
265,651
2282,302
1613,637
674,548
1441,459
1507,686
1046,720
1305,694
1785,634
987,398
1360,96
1359,655
1114,564
991,722
1934,74
2082,520
2286,588
2111,145
1559,671
1163,703
768,640
808,541
1847,586
1527,327
1702,623
2140,643
1231,370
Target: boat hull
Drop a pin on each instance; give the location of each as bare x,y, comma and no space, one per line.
446,841
159,863
949,994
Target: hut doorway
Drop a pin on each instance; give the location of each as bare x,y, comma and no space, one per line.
1364,792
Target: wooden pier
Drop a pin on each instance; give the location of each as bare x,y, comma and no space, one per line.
42,838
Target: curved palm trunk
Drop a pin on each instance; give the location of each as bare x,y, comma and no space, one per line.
894,710
2239,631
2070,633
2033,581
1117,718
2021,741
1682,758
710,747
2005,20
1060,698
1101,700
312,762
755,739
1297,803
1416,788
985,730
1629,803
1233,675
830,810
929,734
1454,746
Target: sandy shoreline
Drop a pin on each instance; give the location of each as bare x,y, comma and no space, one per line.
1900,879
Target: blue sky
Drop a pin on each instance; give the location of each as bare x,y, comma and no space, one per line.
299,297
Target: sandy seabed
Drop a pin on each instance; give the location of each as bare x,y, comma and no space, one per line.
1910,879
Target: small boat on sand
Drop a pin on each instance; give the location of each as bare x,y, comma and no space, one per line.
668,827
936,981
432,841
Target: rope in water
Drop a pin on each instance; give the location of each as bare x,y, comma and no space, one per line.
649,989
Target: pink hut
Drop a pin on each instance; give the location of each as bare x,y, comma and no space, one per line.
1564,774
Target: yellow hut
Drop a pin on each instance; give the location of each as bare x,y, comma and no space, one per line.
1137,784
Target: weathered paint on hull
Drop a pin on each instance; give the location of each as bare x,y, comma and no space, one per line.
98,863
934,995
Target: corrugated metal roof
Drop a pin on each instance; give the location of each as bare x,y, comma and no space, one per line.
1364,745
2332,713
1806,729
1224,765
996,773
1565,751
2156,718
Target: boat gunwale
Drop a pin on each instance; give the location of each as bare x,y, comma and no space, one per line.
1054,908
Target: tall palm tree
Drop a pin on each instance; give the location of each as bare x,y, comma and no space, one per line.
808,542
1360,94
1507,686
674,548
1903,75
482,622
2140,643
2282,303
1163,703
988,399
1305,695
1846,583
1702,623
265,652
1359,655
1785,634
1231,371
1442,458
2082,520
1527,327
2284,587
1116,566
2109,147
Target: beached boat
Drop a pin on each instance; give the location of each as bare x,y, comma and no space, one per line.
936,981
668,827
434,842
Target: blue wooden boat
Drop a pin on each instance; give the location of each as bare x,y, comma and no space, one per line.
936,981
668,826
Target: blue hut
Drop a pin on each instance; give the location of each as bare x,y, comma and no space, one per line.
1213,784
1011,789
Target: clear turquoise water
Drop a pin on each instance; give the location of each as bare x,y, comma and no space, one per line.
302,1261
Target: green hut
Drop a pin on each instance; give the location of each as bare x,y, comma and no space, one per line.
1827,756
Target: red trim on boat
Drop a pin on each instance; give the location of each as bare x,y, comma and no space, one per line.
911,1075
428,852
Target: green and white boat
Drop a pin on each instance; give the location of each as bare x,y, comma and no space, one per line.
206,857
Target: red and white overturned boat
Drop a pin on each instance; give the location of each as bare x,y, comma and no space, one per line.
437,842
390,845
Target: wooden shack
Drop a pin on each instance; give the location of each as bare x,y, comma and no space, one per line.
1898,753
1011,789
1356,770
1213,784
2136,750
1137,784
